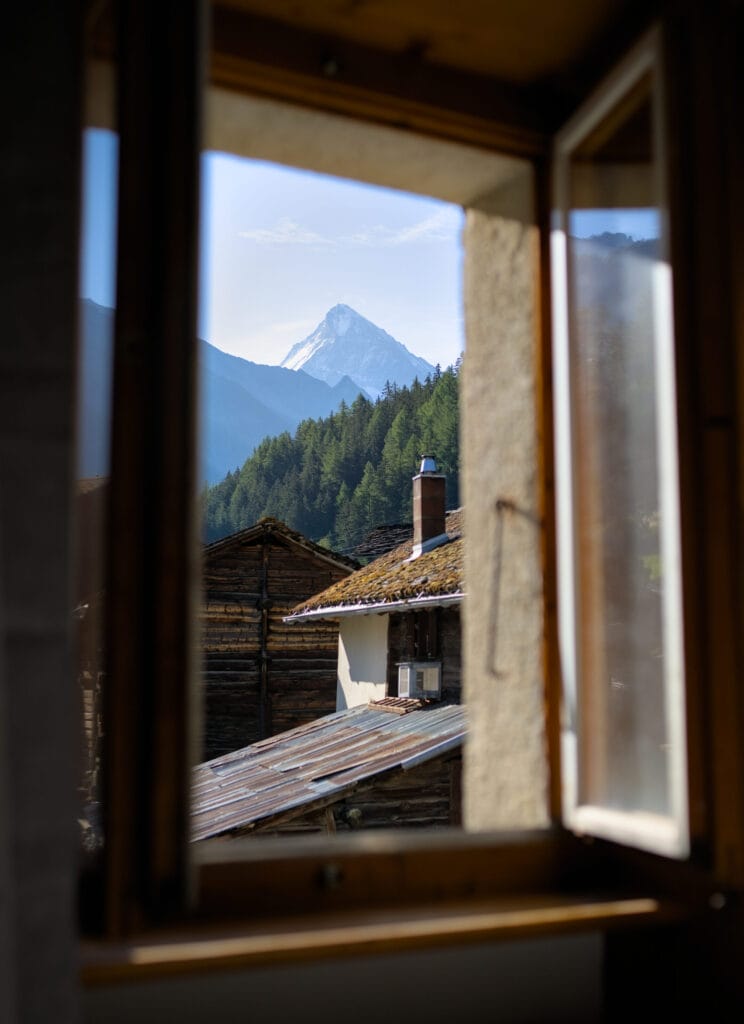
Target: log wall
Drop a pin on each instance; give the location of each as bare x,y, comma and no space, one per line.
262,676
418,635
424,797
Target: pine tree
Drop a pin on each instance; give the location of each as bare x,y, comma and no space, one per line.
339,477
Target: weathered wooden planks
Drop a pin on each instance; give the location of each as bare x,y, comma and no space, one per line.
424,797
260,675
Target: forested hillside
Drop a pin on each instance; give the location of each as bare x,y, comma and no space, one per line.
339,477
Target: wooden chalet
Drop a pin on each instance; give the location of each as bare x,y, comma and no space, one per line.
382,759
403,607
262,676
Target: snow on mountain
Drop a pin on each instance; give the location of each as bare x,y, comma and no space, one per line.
301,353
241,402
347,344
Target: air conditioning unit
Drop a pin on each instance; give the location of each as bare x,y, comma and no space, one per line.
420,679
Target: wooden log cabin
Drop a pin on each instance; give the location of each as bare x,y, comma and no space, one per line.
262,676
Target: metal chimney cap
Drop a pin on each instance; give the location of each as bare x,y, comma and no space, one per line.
428,464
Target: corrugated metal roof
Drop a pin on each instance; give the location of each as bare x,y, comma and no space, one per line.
318,764
393,578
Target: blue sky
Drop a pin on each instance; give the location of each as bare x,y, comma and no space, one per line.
97,256
281,246
637,223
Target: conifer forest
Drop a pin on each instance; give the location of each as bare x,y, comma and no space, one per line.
337,478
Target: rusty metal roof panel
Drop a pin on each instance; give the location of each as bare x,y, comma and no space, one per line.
318,763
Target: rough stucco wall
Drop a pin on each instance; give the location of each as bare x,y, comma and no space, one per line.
268,129
362,660
505,771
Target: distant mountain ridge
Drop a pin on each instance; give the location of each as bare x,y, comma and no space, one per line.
241,402
244,402
341,476
347,344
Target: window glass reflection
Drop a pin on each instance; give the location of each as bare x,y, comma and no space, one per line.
615,255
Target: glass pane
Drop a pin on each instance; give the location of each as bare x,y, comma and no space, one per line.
618,317
95,371
616,471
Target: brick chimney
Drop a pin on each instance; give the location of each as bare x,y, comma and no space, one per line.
429,499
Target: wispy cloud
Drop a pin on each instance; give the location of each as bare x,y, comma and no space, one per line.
292,327
286,232
440,226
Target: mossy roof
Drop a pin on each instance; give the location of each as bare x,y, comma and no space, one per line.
394,577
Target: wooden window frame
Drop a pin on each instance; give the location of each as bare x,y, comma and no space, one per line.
669,833
255,904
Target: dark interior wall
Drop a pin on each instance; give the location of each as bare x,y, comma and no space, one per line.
546,980
39,183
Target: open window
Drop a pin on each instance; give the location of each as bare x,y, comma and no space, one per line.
620,584
509,572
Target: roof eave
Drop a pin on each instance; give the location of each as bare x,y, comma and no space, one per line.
344,611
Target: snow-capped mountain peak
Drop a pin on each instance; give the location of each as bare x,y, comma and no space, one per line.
347,344
341,318
301,353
